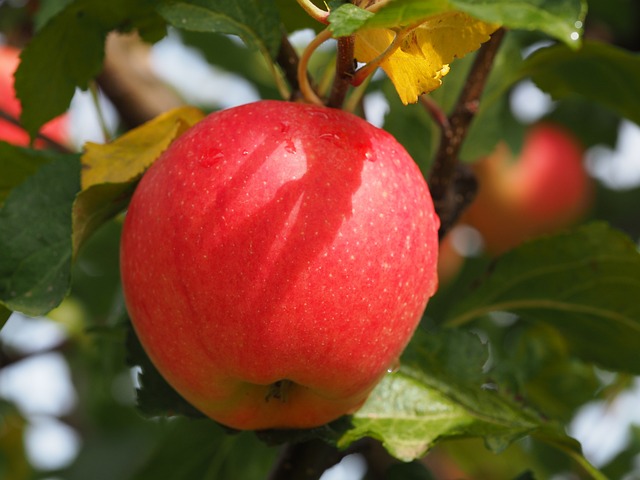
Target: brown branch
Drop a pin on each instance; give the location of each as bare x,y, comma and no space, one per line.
50,142
453,186
344,72
128,80
309,460
288,59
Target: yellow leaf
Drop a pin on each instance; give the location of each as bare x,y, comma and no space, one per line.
110,171
426,51
127,157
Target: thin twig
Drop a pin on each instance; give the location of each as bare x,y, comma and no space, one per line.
288,60
435,111
95,97
452,187
40,136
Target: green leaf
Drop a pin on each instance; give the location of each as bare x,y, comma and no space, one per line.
47,10
46,82
598,124
95,206
5,313
572,448
438,393
533,359
560,19
155,397
257,22
583,283
412,126
200,449
18,163
347,19
599,72
408,471
35,238
295,18
623,465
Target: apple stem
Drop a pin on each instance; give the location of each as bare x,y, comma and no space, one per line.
306,89
344,72
453,185
314,11
355,97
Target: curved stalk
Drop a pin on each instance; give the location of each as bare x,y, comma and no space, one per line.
314,12
303,78
355,98
95,98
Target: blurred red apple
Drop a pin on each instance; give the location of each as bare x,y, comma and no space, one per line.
545,189
450,260
276,260
57,129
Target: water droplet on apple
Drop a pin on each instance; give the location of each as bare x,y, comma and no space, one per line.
289,146
284,128
212,159
395,366
332,137
320,114
245,152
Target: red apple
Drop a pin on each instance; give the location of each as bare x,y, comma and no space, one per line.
276,260
57,129
545,189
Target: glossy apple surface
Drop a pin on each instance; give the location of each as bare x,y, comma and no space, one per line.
57,129
545,189
276,260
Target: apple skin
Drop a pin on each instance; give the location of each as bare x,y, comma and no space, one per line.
57,129
276,260
545,189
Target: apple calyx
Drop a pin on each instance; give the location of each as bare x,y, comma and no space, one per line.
279,390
